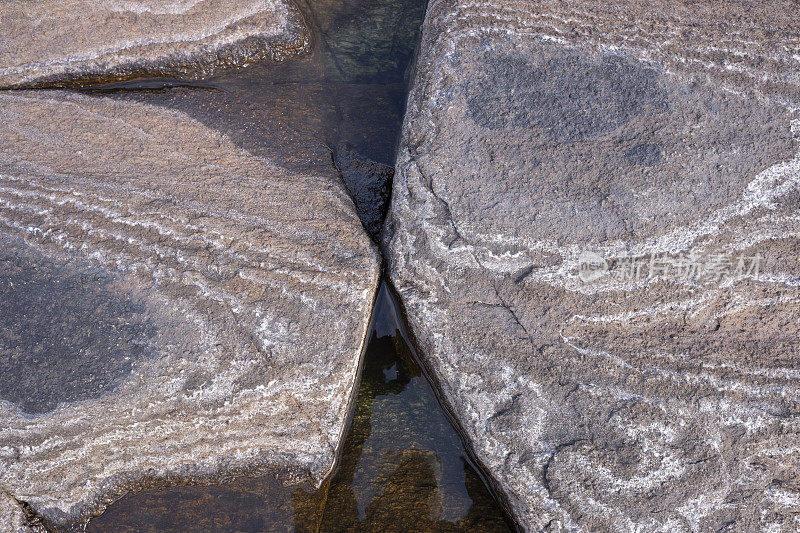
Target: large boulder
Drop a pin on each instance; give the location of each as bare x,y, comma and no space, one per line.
172,307
594,231
57,42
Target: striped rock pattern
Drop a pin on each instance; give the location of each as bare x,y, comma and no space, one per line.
173,307
594,231
47,42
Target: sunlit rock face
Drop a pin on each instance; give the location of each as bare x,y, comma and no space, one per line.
57,42
594,232
172,307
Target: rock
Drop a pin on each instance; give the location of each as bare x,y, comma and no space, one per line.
46,43
367,41
594,233
369,183
173,307
12,517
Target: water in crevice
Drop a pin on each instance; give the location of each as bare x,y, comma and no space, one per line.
403,466
338,110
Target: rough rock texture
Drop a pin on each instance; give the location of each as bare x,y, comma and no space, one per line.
12,517
369,183
172,306
594,230
55,42
367,41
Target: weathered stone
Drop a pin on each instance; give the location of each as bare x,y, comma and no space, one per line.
12,516
172,306
370,184
48,42
594,232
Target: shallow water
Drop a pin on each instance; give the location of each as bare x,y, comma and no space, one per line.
403,467
342,101
338,110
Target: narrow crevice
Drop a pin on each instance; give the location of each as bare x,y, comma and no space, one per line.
436,387
404,458
32,519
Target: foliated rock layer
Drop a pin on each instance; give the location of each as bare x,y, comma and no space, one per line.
59,42
172,306
594,232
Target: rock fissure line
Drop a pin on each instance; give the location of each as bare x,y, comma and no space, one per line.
190,263
565,156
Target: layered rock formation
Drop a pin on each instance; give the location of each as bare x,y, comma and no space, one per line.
172,307
43,43
594,232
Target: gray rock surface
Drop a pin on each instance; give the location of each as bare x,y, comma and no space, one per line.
12,517
594,232
172,307
57,42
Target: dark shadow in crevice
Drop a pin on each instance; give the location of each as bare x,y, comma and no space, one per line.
404,466
336,111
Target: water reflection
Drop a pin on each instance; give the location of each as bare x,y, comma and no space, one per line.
403,467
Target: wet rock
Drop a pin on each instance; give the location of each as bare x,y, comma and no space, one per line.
367,41
174,308
370,184
45,43
594,232
58,320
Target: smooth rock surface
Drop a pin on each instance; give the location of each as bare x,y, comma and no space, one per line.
47,42
594,232
173,307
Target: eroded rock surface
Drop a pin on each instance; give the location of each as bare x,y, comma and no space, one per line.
12,516
594,232
59,42
173,307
